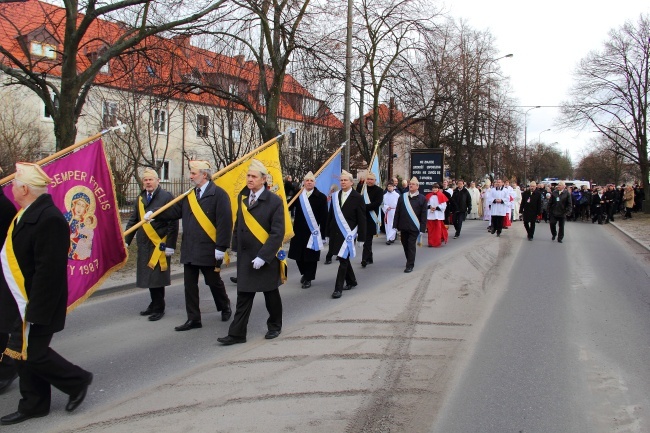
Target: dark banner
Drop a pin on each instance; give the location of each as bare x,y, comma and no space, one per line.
427,166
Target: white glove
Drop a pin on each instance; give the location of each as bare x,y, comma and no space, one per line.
219,255
147,216
359,244
169,252
326,241
258,263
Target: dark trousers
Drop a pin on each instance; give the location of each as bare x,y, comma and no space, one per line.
497,223
409,239
530,227
597,215
459,217
611,208
307,269
157,299
7,368
367,249
214,282
43,369
559,220
345,274
239,324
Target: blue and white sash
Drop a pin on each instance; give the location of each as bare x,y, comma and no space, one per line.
411,212
374,215
315,241
348,248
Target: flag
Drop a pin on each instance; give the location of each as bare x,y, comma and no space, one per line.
235,180
96,244
329,176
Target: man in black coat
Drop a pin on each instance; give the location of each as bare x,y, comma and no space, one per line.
205,211
461,204
531,206
598,204
307,241
404,220
156,244
347,207
373,217
7,365
38,242
559,206
257,239
611,199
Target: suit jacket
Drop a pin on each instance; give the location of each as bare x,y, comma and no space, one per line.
531,205
376,196
197,247
597,202
41,240
7,213
354,212
461,201
268,211
559,204
298,248
403,220
145,276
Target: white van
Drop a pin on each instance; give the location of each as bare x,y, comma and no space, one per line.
568,182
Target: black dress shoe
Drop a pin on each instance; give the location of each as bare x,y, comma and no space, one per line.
272,334
147,312
328,261
17,417
337,294
156,316
408,270
302,279
559,241
229,340
553,238
4,384
226,313
350,286
233,279
364,263
306,284
190,324
76,400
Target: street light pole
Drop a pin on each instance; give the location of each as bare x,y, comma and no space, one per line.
539,137
348,89
526,143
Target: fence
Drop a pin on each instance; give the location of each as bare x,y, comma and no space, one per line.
127,193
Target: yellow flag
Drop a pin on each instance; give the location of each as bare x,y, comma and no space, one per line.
235,180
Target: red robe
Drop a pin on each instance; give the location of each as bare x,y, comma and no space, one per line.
436,229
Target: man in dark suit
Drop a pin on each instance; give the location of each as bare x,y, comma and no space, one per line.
348,209
156,244
598,203
258,236
36,252
461,202
207,230
411,220
559,206
309,230
531,206
7,365
373,204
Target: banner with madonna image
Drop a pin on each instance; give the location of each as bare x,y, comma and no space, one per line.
82,188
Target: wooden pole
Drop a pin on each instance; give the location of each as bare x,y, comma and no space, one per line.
295,197
214,176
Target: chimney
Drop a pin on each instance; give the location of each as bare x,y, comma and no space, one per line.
183,42
239,59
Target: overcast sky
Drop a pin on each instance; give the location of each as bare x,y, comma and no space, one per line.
547,38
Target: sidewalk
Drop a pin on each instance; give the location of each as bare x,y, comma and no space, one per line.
636,228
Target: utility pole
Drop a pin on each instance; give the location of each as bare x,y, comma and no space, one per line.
348,88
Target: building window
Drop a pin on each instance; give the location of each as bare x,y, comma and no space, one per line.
202,125
236,130
151,71
233,89
42,50
105,69
160,121
310,107
262,100
163,171
109,114
46,112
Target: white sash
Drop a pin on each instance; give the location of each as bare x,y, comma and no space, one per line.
348,247
373,214
315,241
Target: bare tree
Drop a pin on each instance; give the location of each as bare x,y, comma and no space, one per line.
611,92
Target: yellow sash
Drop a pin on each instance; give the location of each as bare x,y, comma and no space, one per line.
158,256
16,281
204,222
261,235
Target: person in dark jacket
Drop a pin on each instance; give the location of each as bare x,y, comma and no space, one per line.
559,207
530,208
38,241
373,216
156,244
611,199
207,229
461,204
307,241
257,239
598,206
347,209
411,220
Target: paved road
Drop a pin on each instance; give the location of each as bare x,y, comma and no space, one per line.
567,347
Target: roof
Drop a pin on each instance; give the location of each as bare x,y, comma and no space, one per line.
167,61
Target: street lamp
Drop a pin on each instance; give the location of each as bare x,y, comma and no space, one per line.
526,141
539,137
489,146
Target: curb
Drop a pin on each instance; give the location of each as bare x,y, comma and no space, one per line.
626,233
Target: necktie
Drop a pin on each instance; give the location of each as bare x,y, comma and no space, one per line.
148,197
251,200
198,192
343,198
